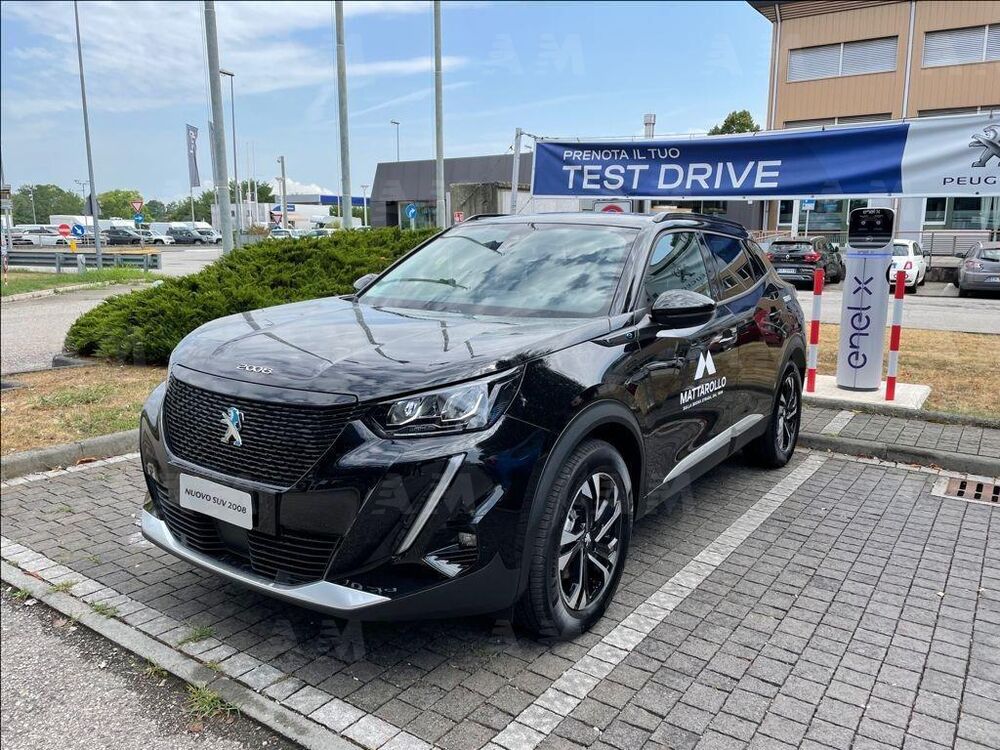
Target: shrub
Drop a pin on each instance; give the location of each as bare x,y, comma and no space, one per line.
145,326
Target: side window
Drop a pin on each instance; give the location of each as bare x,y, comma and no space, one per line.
677,263
732,265
756,255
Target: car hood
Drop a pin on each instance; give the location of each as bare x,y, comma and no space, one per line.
338,345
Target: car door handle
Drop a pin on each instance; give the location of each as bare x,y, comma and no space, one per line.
726,339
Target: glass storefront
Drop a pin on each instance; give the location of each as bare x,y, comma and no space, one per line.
426,215
971,212
829,215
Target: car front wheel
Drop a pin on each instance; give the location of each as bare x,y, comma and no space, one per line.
775,447
580,545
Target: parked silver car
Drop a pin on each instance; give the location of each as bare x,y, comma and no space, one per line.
980,269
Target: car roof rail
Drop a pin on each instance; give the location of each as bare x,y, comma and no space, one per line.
681,215
474,217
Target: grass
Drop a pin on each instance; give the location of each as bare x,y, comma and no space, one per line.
959,368
197,634
104,609
21,595
205,704
62,588
155,671
63,405
32,281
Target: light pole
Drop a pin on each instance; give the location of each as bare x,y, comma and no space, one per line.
218,129
346,220
86,137
396,123
31,192
364,201
236,176
284,195
442,209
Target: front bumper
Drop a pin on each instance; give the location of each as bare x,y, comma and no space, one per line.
396,508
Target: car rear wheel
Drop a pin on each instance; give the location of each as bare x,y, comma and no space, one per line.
775,447
580,544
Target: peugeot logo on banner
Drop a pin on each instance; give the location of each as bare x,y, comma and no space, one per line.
989,143
233,421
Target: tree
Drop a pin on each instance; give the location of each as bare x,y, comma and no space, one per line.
117,203
48,200
737,121
264,192
154,210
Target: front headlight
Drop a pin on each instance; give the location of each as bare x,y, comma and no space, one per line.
461,408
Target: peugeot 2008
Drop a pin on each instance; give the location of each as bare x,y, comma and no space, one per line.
479,426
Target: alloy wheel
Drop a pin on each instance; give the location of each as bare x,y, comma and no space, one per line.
590,541
787,416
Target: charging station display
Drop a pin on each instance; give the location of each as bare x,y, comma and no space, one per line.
866,299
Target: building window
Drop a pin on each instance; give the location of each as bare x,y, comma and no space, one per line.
959,46
934,212
785,209
846,120
844,59
988,109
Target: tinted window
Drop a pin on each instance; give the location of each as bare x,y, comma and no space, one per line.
511,269
677,262
756,255
732,265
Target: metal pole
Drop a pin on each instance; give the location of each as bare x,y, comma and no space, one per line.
516,174
442,217
364,202
8,228
192,206
34,215
284,202
345,147
396,123
219,128
86,135
236,175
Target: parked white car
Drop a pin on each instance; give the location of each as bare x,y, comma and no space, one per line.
908,256
39,234
155,238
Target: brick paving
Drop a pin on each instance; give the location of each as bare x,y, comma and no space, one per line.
836,603
903,431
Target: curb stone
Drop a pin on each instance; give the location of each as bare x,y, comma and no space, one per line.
44,459
39,293
950,460
275,717
889,410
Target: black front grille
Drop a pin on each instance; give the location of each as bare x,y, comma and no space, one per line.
281,442
291,558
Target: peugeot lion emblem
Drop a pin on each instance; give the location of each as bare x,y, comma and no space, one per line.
989,142
233,421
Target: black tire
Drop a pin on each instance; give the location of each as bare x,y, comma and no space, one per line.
962,292
775,447
912,289
568,532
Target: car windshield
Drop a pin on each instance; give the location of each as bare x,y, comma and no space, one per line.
791,247
900,249
991,254
546,270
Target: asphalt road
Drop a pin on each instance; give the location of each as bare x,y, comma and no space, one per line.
33,330
66,688
935,306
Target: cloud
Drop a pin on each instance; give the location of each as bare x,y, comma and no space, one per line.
413,96
295,187
133,48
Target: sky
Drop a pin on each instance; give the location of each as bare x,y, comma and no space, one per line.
554,69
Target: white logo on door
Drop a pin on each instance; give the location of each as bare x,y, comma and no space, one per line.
705,365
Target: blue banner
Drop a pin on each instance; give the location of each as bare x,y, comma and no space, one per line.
847,161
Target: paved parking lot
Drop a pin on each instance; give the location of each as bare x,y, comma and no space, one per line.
835,603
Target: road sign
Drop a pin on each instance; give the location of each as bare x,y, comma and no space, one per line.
79,230
613,207
289,206
138,218
136,205
64,230
459,217
807,205
410,211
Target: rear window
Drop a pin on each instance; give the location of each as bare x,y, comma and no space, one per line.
900,249
791,247
990,254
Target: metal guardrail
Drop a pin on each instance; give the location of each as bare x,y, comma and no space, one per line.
60,260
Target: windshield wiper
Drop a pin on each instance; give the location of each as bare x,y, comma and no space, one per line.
444,282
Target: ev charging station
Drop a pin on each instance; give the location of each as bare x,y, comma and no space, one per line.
866,299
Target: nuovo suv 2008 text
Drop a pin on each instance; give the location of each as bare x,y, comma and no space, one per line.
478,427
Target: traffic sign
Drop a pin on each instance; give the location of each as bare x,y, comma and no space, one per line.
64,230
613,206
138,218
459,217
136,205
79,230
410,211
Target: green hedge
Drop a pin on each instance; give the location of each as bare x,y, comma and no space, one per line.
145,326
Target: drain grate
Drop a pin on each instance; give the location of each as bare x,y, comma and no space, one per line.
968,489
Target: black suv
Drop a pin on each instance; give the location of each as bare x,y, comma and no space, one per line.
481,424
795,259
184,236
122,236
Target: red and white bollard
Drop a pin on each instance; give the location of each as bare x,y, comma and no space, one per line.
897,322
813,355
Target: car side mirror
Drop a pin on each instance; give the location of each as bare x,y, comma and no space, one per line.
364,281
682,308
960,253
